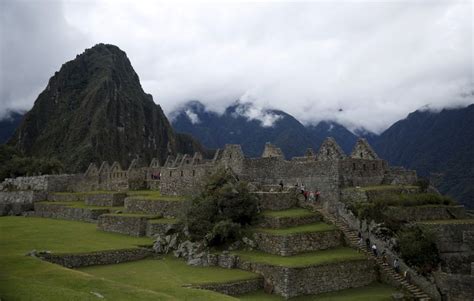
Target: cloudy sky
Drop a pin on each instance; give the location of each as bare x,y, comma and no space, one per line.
361,63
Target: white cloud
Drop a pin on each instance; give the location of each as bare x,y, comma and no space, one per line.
376,60
250,111
193,117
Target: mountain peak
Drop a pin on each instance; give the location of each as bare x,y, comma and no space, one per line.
94,109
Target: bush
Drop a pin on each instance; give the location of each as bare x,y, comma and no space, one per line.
418,248
423,184
418,199
14,164
222,209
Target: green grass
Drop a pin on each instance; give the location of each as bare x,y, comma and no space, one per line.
373,292
294,212
164,221
81,204
167,275
82,193
149,193
387,187
318,227
305,259
150,216
27,278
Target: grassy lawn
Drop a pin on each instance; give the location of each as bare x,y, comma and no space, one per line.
373,292
150,216
27,278
305,259
318,227
167,275
294,212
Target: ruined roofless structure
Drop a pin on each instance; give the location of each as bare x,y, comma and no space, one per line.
327,170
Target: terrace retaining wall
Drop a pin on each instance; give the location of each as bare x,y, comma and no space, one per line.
234,288
60,211
97,258
288,245
124,224
17,202
166,208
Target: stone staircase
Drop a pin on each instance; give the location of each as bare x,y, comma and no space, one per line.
352,239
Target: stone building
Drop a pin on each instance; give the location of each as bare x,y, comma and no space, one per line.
327,170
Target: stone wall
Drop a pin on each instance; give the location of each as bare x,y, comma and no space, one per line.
16,202
50,183
65,197
233,288
105,199
362,172
166,208
51,210
455,243
400,176
154,229
428,212
285,222
97,258
291,282
455,287
276,200
123,223
288,245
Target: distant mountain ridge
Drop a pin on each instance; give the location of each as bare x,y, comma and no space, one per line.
242,123
440,145
94,109
9,124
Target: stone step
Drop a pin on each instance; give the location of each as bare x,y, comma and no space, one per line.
348,233
328,270
300,239
165,206
125,223
105,199
288,218
75,211
161,226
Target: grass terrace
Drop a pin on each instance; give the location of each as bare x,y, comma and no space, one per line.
164,221
301,260
81,204
294,212
318,227
153,195
28,278
387,187
167,275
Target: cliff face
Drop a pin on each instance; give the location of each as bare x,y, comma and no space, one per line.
94,109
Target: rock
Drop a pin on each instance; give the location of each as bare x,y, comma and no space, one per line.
97,295
249,242
32,253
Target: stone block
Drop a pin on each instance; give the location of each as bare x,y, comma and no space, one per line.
105,199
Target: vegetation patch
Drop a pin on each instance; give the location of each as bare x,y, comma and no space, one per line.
318,227
164,221
293,212
418,248
223,208
306,259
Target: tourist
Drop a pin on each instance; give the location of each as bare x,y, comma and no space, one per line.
407,276
374,249
281,185
396,265
367,244
360,243
359,235
317,195
302,188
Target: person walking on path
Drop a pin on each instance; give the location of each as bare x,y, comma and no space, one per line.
396,265
360,243
367,243
374,249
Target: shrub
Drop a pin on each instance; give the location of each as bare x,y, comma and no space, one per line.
418,248
222,209
423,184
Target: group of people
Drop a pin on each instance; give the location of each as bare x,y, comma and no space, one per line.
373,248
313,196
